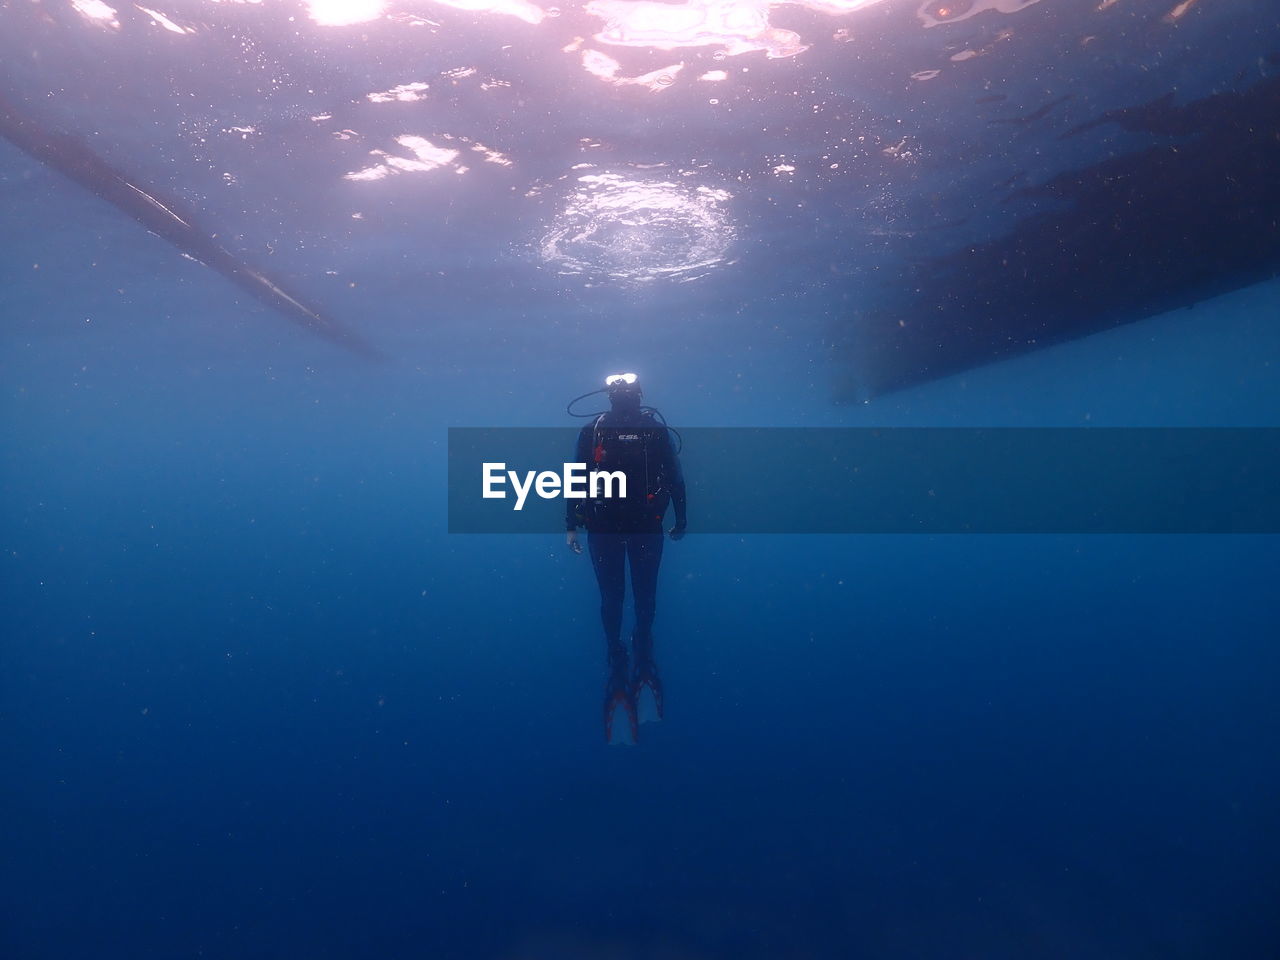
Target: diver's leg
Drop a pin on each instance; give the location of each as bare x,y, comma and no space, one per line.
645,554
644,551
607,558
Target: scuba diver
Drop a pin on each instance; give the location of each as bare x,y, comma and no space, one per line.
636,440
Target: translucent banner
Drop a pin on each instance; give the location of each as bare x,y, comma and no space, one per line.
900,480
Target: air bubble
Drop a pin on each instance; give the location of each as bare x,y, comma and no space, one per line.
620,230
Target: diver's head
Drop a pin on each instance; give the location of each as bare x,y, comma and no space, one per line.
624,391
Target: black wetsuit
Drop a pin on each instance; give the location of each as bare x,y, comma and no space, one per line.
621,530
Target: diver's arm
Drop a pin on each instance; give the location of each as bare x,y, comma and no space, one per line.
573,508
679,501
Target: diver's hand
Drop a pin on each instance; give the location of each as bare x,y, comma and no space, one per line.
571,541
677,532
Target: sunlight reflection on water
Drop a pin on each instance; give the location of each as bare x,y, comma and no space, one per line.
615,228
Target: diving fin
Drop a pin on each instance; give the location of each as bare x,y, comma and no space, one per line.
646,689
646,685
618,696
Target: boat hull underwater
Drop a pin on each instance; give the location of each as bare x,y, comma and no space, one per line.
73,159
1194,215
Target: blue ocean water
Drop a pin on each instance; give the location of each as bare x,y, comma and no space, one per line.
257,702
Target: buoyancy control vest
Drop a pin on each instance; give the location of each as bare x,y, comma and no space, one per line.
640,448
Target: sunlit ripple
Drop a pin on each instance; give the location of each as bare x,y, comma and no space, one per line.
735,26
162,21
934,13
426,157
622,229
95,11
343,13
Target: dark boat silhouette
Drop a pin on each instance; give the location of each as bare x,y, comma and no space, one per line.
75,160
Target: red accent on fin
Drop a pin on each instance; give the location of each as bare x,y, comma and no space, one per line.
621,698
